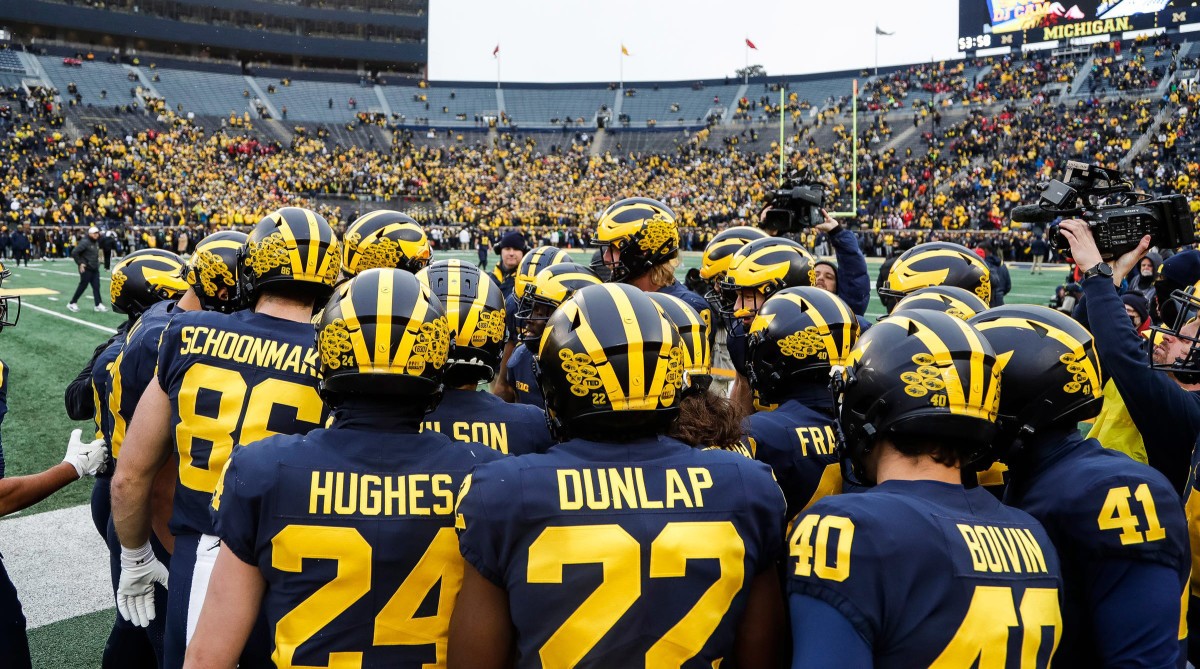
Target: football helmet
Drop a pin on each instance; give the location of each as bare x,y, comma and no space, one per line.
384,238
1052,373
474,309
609,365
144,278
936,264
696,338
6,300
552,286
533,262
919,374
1184,306
717,254
641,231
216,266
383,333
797,337
946,299
293,245
765,266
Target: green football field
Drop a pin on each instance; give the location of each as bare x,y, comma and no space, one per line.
44,353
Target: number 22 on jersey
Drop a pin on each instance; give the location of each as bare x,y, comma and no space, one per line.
612,547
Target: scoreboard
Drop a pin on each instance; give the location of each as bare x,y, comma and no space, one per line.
993,23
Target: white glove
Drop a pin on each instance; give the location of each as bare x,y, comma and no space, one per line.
140,570
90,458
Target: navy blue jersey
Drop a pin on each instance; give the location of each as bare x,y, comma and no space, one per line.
470,415
232,379
522,378
735,343
510,317
101,375
1102,508
662,540
352,530
134,367
929,574
798,443
505,279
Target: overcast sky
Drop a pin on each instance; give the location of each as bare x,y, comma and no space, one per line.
570,40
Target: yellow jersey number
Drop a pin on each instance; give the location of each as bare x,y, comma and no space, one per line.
397,623
620,556
1116,514
242,417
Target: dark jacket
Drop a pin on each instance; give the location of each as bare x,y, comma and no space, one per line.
1167,416
854,284
1001,282
87,252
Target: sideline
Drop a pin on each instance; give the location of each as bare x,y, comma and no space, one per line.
58,564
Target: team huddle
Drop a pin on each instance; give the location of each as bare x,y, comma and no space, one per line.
303,469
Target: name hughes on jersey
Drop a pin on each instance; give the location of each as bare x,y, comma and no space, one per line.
354,494
249,350
625,488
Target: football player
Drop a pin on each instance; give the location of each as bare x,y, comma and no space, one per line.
757,271
1117,523
919,571
20,492
714,262
341,535
531,263
550,288
671,548
475,315
384,238
946,299
706,420
639,242
936,264
795,340
222,379
139,281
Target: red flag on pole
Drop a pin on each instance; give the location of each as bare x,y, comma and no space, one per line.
751,44
496,51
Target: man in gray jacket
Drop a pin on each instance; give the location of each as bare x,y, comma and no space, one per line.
86,255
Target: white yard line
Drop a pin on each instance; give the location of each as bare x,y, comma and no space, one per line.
58,563
25,304
54,271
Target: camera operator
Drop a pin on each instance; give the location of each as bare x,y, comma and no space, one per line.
1165,409
845,277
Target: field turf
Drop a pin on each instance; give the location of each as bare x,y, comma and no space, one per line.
45,352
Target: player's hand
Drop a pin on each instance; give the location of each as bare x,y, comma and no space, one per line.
88,458
1083,245
829,224
140,570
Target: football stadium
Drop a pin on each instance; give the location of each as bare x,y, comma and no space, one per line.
886,365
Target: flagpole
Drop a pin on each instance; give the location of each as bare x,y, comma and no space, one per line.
746,60
497,70
876,49
621,67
